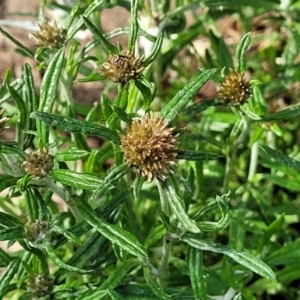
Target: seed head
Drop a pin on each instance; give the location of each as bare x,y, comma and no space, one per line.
150,147
122,67
3,121
37,231
39,163
50,36
40,285
235,89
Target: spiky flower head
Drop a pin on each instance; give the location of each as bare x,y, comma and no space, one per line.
40,285
3,121
50,36
122,67
235,89
39,163
150,146
37,231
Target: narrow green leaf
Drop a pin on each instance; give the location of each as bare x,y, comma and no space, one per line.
5,259
7,181
76,180
119,272
145,88
197,273
155,287
241,50
78,25
197,155
201,106
182,98
114,175
114,295
69,235
122,115
70,155
168,193
8,220
30,98
60,263
159,232
73,125
24,49
286,255
8,275
155,51
134,26
31,206
114,233
86,252
238,297
49,87
282,158
137,185
222,203
283,115
13,233
273,228
97,295
12,148
99,36
21,106
246,259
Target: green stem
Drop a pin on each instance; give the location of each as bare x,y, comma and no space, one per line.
166,247
164,261
253,161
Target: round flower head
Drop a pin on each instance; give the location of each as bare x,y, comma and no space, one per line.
50,36
40,285
39,163
150,146
122,67
235,89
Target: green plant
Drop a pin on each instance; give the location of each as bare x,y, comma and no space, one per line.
175,202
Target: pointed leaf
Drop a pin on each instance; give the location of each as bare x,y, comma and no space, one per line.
197,155
73,125
153,284
184,96
246,259
8,275
282,158
241,50
49,87
114,233
76,180
167,191
98,35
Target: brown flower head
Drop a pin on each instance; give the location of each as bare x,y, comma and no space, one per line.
235,89
37,231
50,36
39,163
40,285
150,146
3,121
122,67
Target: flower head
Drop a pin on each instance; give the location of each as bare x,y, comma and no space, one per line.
36,231
39,163
50,36
150,146
235,89
3,121
122,67
40,285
